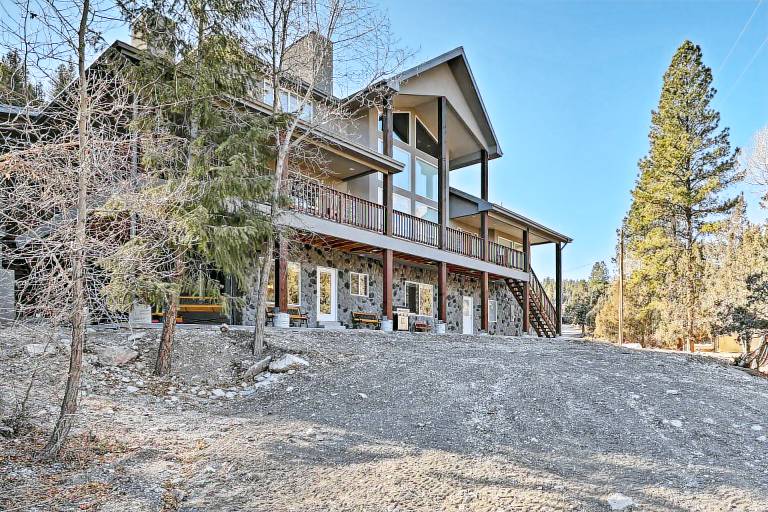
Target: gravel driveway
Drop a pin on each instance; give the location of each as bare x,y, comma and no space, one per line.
481,423
429,423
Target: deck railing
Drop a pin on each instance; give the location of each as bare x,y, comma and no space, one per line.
539,295
505,256
418,230
320,201
464,243
312,198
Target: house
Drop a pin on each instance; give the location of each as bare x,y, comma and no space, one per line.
389,233
381,230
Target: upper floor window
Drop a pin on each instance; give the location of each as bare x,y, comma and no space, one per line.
401,126
289,101
426,179
506,242
424,140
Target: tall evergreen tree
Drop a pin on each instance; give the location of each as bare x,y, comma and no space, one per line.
62,77
16,87
678,198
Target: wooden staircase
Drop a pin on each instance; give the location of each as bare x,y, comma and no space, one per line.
542,313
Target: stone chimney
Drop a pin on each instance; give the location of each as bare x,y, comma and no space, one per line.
311,59
154,33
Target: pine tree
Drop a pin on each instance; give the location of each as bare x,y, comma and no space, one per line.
63,77
16,87
678,198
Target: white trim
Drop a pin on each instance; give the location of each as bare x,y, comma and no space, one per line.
468,327
287,266
334,314
421,286
351,287
495,310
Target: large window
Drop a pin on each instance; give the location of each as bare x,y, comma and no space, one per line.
401,203
426,212
401,126
403,178
358,284
426,179
424,140
289,101
420,298
293,276
493,311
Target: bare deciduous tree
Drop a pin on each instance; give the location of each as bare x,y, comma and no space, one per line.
59,166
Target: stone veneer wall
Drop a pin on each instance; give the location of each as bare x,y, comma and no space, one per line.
509,312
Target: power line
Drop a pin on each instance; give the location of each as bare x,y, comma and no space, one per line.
735,43
746,68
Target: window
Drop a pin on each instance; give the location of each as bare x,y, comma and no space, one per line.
419,298
506,242
426,212
493,311
424,140
401,203
401,122
293,276
358,284
403,178
426,179
289,101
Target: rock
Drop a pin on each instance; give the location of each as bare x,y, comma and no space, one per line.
762,439
620,502
676,423
218,393
257,368
756,428
136,337
224,328
38,349
131,389
362,395
673,391
116,356
287,362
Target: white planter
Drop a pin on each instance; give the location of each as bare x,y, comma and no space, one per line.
440,328
140,314
283,320
386,325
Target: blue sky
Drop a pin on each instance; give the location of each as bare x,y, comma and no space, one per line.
570,86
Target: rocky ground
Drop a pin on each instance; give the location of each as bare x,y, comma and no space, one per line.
372,421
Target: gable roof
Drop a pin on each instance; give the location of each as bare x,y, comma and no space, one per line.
456,59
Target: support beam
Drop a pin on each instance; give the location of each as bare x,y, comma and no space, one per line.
527,284
559,287
281,277
388,260
484,196
484,298
442,168
442,292
388,143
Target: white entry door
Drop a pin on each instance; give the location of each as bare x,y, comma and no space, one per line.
326,294
468,316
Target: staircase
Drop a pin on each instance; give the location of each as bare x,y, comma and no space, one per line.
542,314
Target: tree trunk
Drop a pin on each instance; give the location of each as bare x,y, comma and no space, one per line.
79,303
165,350
265,267
691,288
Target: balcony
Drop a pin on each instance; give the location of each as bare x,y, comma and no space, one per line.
312,198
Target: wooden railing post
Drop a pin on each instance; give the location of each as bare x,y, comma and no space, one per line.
527,284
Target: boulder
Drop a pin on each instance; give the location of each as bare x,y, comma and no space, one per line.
287,362
116,356
38,349
620,502
257,368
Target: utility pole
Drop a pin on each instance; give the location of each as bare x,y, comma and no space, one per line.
621,286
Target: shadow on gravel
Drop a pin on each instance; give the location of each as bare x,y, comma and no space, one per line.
556,423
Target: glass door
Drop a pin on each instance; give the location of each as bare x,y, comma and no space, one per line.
326,294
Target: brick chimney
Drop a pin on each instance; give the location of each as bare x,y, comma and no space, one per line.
311,59
154,33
